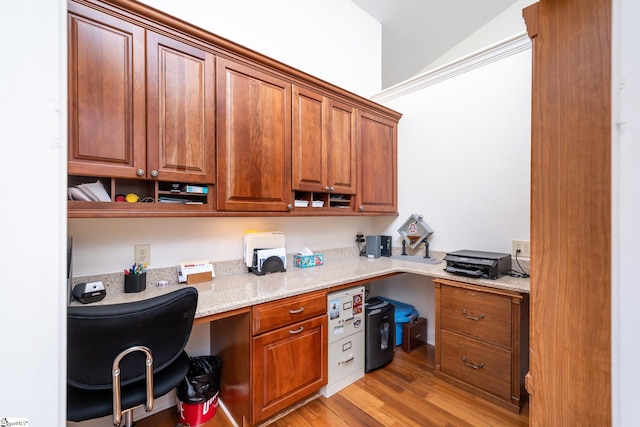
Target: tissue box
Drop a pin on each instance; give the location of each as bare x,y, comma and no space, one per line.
304,261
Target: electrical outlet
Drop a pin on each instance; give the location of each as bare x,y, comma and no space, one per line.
523,247
142,254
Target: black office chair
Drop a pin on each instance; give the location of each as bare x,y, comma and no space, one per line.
117,354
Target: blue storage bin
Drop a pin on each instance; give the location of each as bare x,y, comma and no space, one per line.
404,313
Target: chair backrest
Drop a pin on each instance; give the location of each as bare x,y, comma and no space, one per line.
97,334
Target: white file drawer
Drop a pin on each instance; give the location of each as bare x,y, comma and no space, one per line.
346,363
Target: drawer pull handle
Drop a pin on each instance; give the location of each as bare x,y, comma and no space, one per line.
468,316
471,365
346,361
298,311
297,331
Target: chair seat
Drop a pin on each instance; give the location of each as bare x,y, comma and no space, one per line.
89,404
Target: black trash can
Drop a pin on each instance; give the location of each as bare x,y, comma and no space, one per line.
379,330
198,392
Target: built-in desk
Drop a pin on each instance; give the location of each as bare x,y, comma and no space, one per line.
229,292
226,301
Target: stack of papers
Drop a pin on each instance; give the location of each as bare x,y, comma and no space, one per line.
92,192
301,203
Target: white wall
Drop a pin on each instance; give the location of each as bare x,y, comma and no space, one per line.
502,27
33,228
106,245
346,53
464,156
625,211
463,161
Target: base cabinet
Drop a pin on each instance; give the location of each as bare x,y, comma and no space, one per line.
482,341
289,362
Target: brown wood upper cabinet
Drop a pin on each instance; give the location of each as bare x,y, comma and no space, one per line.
254,139
377,163
156,104
324,143
107,123
181,111
113,132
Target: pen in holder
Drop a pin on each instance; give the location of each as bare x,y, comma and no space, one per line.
135,279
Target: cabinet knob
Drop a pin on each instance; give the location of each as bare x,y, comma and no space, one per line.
154,173
326,188
289,206
140,172
331,188
361,208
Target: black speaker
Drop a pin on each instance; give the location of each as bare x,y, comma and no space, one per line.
385,245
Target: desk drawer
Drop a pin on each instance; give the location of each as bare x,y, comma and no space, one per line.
477,314
276,314
288,364
474,362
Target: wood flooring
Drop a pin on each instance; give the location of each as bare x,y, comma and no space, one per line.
403,393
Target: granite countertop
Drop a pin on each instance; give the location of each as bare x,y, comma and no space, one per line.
234,288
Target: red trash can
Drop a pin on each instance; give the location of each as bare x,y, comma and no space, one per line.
197,413
198,392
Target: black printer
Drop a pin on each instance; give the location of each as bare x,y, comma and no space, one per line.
485,265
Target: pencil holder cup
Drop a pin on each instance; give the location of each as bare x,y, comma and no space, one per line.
135,282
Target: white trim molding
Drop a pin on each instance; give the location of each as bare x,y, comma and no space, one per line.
496,52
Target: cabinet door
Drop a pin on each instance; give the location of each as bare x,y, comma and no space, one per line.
106,94
324,144
341,148
309,161
253,139
181,105
289,364
377,164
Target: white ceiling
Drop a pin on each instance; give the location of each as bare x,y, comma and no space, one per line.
417,32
